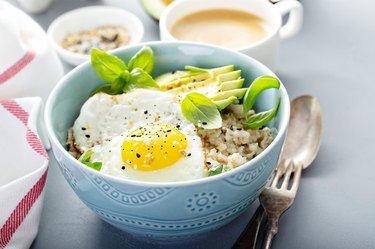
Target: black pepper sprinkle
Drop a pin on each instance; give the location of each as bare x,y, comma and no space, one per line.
145,112
208,163
138,156
239,129
189,154
123,167
83,128
173,72
204,123
178,126
133,135
169,130
87,135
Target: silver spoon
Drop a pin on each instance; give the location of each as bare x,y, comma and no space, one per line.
301,144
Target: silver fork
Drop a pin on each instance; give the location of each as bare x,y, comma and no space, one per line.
276,200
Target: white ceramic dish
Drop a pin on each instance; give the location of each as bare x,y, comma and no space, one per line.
87,18
265,50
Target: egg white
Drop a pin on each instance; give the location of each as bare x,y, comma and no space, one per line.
105,120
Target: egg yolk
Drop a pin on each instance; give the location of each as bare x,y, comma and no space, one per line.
153,146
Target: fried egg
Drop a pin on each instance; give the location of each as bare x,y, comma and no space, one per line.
141,135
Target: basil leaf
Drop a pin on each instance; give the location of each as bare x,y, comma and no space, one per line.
140,79
262,118
107,66
86,156
215,170
259,85
106,88
144,60
218,169
125,75
196,69
201,111
117,85
96,165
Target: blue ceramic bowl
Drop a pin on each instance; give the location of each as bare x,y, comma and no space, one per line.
165,210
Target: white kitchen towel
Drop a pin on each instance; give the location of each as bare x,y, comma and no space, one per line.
28,64
23,165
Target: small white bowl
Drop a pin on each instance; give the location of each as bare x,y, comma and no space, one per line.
87,18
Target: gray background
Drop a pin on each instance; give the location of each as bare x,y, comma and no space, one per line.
333,59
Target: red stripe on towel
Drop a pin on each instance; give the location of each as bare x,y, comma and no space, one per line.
19,65
20,212
14,108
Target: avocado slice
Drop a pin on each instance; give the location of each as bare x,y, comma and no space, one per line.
175,79
239,93
221,70
155,7
191,86
164,79
234,75
184,78
222,104
212,83
232,84
222,84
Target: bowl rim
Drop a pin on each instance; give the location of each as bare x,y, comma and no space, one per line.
136,38
204,180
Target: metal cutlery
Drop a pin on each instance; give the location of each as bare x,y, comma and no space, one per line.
300,149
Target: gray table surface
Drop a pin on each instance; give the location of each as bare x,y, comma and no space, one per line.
332,58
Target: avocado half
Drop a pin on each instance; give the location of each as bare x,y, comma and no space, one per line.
155,7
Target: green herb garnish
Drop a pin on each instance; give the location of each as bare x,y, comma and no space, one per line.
121,78
144,60
85,160
201,111
262,118
197,69
218,169
259,85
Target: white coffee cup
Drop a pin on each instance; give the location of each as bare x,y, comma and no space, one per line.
265,50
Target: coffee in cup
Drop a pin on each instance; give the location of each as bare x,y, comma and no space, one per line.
229,28
253,27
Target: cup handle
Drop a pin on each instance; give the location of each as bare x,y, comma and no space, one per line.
294,22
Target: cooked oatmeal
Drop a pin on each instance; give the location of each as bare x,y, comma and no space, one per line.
232,145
